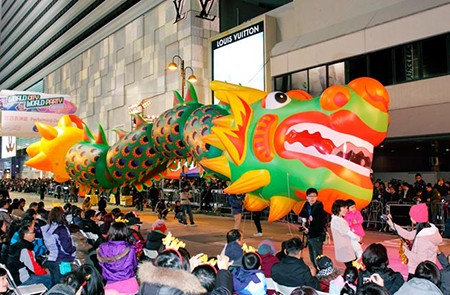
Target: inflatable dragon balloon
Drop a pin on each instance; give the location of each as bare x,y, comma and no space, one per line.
270,146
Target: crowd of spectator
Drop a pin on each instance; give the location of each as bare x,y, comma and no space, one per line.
79,250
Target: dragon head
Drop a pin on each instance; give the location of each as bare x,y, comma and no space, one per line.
280,144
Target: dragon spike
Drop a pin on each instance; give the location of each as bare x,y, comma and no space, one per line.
47,131
250,95
88,135
65,121
219,164
297,207
40,161
120,133
177,99
224,121
279,207
34,149
139,187
213,140
191,95
139,120
77,121
249,181
255,203
101,138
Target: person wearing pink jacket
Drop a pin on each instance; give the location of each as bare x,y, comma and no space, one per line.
354,218
425,237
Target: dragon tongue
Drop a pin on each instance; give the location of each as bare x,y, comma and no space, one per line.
357,155
323,145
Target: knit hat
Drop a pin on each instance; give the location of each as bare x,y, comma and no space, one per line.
266,246
160,225
419,213
325,265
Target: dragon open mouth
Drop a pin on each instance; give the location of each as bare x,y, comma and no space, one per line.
322,142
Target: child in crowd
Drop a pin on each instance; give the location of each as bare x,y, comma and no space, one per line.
346,282
134,234
179,214
355,221
155,237
233,248
118,260
326,272
248,279
267,251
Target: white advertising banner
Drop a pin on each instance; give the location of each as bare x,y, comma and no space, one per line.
22,124
20,110
8,147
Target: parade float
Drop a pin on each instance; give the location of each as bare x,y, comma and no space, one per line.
271,147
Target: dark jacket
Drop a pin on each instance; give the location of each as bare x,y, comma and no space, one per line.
393,280
445,273
316,219
154,240
21,262
92,232
293,272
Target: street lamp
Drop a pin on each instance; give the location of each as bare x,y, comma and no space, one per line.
173,66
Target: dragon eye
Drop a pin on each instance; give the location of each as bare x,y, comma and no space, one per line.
275,100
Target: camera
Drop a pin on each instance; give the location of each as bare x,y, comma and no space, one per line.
366,280
302,227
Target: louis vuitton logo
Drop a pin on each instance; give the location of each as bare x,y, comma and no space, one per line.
179,4
206,9
206,6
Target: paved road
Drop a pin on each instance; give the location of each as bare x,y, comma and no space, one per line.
209,236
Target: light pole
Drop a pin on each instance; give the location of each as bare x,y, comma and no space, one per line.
173,66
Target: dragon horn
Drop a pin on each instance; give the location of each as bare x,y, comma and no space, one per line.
101,137
279,207
191,95
47,131
177,99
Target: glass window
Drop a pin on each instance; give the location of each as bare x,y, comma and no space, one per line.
380,66
355,67
282,83
434,53
336,74
407,63
317,80
300,80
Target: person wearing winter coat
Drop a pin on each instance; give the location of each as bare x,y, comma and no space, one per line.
22,263
170,274
59,243
118,261
375,259
292,270
426,281
155,237
346,242
425,238
248,279
80,242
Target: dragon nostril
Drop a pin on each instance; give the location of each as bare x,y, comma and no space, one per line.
334,97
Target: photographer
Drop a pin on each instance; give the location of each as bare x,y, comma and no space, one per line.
313,224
